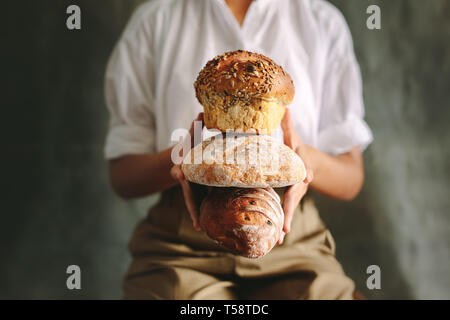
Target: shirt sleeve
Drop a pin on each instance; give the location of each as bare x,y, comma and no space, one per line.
129,94
341,123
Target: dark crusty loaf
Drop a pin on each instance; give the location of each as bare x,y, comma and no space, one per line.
248,222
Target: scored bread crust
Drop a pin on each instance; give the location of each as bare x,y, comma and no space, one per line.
248,222
244,92
246,161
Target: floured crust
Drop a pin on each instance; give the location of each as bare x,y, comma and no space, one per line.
248,222
244,92
246,161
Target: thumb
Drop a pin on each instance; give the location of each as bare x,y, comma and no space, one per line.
199,118
288,129
176,172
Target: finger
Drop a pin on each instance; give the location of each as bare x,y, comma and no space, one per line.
309,176
286,123
288,213
280,241
190,203
196,131
292,198
288,128
176,172
198,118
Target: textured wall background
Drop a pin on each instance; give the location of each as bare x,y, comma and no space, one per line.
58,208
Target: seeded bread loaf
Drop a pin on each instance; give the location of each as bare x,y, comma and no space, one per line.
245,161
248,222
243,91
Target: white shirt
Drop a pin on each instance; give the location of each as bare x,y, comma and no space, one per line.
150,75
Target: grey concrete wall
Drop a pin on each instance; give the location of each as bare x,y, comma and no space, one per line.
58,208
401,219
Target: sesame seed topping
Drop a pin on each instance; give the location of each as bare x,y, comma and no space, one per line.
250,75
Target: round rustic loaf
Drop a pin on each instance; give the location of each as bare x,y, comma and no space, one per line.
248,222
246,161
243,91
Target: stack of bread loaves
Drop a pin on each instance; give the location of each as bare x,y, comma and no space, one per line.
244,95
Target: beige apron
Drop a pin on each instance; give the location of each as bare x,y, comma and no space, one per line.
171,260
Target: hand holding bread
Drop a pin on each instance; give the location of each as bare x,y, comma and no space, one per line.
246,94
192,199
294,193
